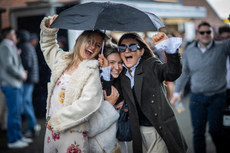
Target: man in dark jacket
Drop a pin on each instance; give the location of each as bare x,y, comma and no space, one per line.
30,64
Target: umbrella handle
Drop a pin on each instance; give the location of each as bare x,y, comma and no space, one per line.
103,43
102,48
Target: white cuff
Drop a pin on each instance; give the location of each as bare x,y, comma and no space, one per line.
170,45
176,94
105,73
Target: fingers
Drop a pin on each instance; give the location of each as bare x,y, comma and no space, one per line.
103,62
55,16
105,94
51,20
174,99
112,98
157,38
119,105
48,126
114,91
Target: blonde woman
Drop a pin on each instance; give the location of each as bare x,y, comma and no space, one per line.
74,91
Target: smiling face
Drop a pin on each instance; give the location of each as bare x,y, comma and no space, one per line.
130,58
90,48
115,62
204,36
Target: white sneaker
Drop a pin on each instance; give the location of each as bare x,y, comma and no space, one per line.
37,129
17,144
26,140
35,132
28,134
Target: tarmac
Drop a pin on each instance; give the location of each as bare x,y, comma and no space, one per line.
183,119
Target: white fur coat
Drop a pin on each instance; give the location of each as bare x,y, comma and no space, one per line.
84,106
83,94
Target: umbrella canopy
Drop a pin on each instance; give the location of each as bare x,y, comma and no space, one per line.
107,16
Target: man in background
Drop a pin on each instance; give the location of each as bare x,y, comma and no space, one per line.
204,62
30,64
224,34
12,76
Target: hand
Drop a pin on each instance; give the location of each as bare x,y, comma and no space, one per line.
112,98
48,126
159,37
24,75
174,99
103,62
50,21
119,105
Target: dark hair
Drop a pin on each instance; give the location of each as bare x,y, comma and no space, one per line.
110,48
5,32
33,36
223,29
204,23
132,35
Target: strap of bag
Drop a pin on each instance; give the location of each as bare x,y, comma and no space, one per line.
100,145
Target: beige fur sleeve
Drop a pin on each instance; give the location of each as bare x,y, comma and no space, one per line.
48,44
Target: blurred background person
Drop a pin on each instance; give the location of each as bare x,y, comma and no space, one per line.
33,39
12,77
204,62
224,34
3,108
3,112
30,64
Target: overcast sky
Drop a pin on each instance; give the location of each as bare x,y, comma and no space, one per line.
222,7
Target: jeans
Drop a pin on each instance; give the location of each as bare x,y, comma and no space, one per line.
13,97
207,109
28,109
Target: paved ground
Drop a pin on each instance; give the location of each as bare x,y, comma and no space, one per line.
37,146
184,122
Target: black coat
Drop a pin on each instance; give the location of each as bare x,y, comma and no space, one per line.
149,89
106,85
29,57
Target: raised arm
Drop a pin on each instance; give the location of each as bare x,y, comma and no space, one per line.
48,42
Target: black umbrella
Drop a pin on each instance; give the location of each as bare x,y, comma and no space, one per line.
107,16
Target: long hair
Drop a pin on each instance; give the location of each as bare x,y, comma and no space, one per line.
132,35
81,41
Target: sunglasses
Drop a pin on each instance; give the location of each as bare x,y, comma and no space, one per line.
131,47
203,32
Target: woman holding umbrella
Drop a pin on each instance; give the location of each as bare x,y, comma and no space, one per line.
152,120
74,92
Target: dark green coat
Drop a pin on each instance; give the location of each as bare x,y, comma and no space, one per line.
151,97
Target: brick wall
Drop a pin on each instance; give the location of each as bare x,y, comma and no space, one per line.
7,4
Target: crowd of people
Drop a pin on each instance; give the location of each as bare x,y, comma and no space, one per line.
89,92
19,72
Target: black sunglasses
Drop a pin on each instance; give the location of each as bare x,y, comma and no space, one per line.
131,47
203,32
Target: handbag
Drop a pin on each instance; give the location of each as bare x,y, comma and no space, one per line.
124,130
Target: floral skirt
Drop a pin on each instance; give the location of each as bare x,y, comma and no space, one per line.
65,142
